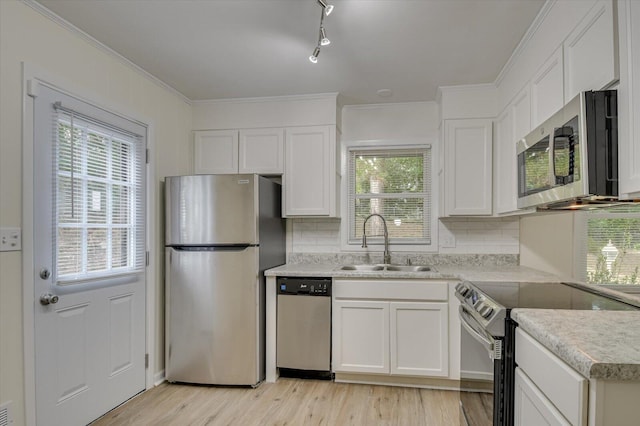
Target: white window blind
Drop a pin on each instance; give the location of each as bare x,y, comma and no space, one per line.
395,183
608,245
98,200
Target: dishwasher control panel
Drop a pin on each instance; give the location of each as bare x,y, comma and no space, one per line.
304,286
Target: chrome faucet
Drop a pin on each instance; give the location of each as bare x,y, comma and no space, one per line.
386,255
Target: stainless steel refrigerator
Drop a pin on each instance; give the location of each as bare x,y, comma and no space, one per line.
222,232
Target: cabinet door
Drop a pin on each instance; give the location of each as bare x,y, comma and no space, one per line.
419,339
261,151
215,152
360,336
590,60
310,168
468,167
531,406
521,111
629,97
505,163
547,89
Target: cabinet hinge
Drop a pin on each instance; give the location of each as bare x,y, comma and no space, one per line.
146,360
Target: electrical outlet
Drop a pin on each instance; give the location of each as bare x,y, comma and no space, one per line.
10,239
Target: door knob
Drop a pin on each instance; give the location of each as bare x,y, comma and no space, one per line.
48,299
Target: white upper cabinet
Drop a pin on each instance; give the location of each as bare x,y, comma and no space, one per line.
261,151
547,89
310,181
468,167
215,152
629,97
505,163
513,124
239,151
521,111
590,52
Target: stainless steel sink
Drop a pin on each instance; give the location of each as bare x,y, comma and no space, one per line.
362,267
384,267
408,268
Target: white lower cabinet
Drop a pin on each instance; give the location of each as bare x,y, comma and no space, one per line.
385,336
419,338
556,382
532,407
361,336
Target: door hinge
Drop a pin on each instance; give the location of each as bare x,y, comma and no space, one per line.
146,259
146,360
147,155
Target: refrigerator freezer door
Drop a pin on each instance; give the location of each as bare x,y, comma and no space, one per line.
213,320
211,210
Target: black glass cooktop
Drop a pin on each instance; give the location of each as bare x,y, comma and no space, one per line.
549,296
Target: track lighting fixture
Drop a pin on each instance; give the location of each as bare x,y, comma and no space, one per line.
327,8
322,34
324,41
314,58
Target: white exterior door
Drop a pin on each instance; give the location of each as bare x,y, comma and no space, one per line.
89,273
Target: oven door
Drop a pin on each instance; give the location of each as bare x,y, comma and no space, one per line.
480,364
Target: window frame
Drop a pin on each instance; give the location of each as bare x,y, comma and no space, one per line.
580,232
376,244
136,247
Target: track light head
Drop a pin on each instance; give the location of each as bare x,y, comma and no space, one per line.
314,58
323,37
328,8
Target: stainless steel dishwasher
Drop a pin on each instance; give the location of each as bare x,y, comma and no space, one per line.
304,326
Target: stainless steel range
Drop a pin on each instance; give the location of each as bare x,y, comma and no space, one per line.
487,339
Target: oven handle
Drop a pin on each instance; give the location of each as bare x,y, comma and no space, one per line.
494,347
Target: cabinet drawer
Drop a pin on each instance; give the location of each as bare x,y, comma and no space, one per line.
402,289
562,385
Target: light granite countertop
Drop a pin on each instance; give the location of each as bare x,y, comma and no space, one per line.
491,273
598,344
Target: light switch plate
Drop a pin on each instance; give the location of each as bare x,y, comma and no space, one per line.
10,239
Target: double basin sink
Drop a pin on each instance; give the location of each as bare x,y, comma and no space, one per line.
386,267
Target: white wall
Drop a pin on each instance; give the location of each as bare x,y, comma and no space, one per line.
547,242
94,74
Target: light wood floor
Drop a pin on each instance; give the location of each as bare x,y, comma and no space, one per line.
287,402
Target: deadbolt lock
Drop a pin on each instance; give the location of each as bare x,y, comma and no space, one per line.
45,273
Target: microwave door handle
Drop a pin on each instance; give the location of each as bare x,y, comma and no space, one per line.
552,157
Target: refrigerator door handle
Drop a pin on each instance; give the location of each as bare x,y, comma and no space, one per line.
229,247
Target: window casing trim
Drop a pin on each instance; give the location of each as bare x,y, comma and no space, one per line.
376,243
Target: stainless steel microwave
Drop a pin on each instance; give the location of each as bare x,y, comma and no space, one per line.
571,159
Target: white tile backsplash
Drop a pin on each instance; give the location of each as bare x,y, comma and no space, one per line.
479,235
456,236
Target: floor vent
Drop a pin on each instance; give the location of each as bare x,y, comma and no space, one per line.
6,419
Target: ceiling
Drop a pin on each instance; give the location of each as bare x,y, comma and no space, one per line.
215,49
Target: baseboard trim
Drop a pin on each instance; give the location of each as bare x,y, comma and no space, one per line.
414,382
158,378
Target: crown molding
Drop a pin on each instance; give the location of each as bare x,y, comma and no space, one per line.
388,104
104,48
316,96
533,28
